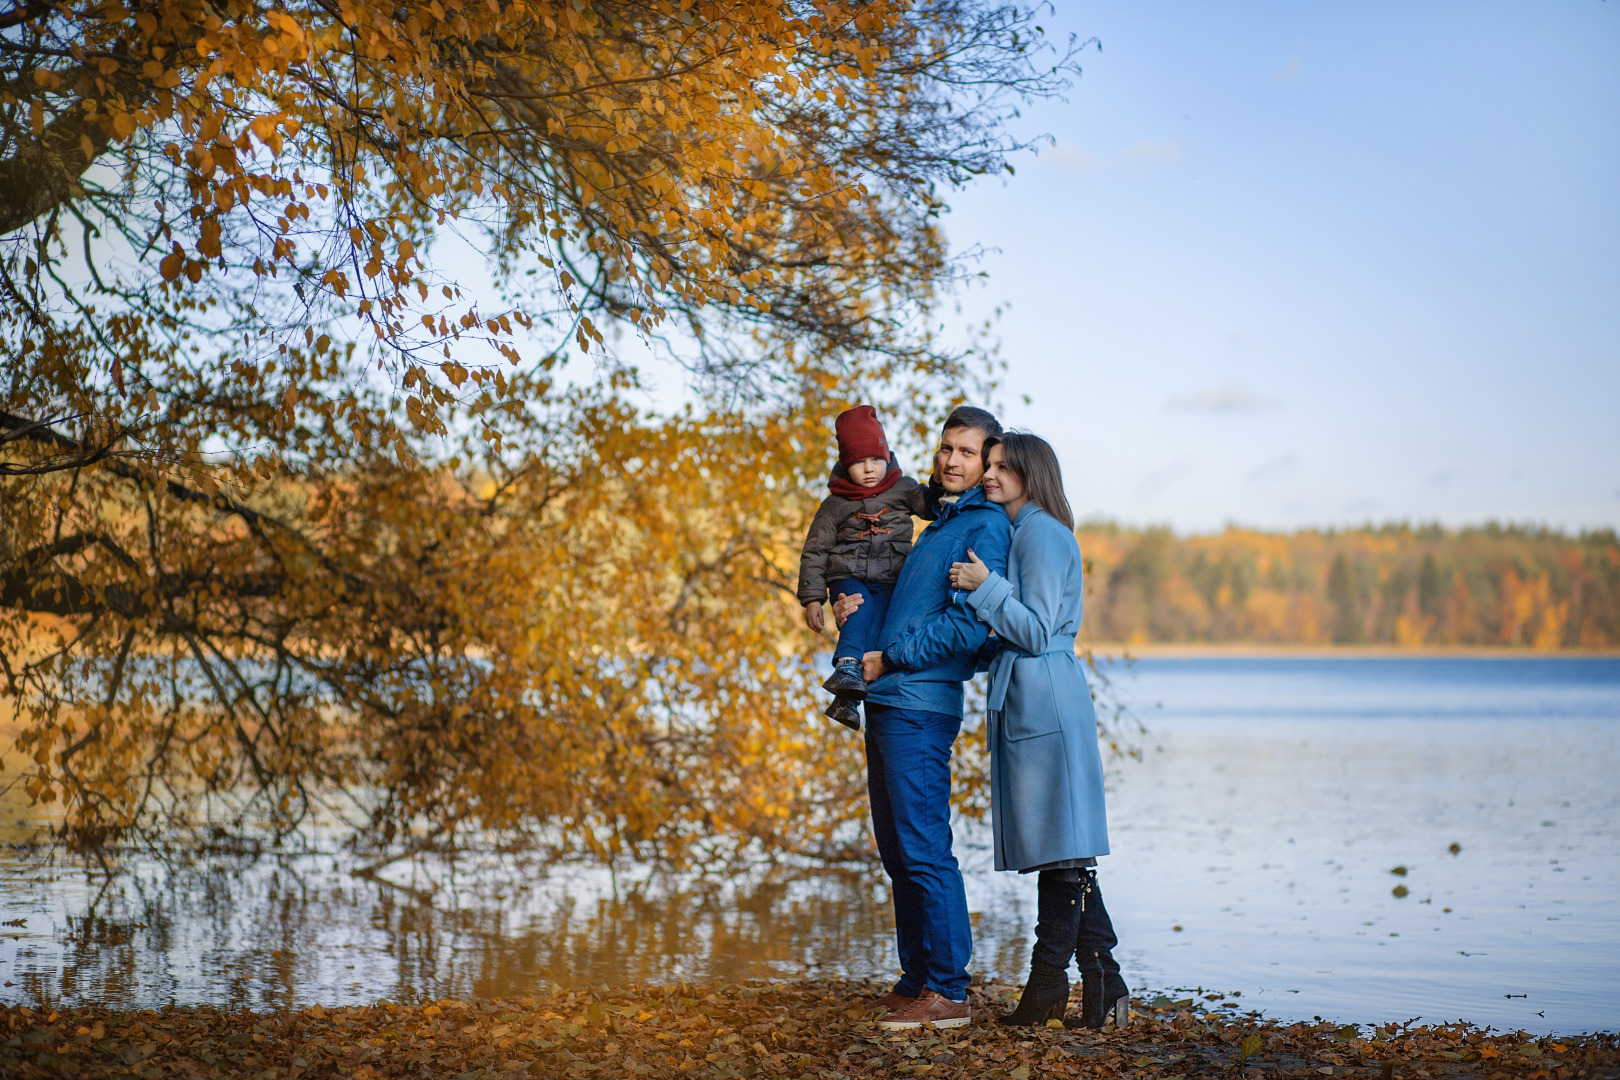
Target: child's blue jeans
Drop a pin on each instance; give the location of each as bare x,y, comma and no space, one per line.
860,633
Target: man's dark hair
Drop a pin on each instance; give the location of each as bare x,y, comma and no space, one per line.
970,416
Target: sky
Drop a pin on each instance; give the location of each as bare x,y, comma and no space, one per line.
1315,264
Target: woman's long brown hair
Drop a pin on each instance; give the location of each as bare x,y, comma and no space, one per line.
1036,464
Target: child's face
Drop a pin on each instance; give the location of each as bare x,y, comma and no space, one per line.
868,472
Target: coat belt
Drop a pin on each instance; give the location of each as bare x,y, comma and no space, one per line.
1001,666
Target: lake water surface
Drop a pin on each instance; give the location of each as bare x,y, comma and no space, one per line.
1254,843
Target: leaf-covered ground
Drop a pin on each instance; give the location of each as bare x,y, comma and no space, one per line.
817,1030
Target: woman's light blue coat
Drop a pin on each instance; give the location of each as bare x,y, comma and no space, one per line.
1046,777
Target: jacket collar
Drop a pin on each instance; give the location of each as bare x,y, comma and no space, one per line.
1026,514
971,499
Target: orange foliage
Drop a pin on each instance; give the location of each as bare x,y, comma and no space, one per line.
305,519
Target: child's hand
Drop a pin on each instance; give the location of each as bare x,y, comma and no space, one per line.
813,617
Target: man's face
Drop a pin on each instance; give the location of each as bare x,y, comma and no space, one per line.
959,461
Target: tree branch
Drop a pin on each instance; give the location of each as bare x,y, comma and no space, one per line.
44,173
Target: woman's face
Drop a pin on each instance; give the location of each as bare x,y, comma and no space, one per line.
1001,484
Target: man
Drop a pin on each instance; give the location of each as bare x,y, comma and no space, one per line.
931,640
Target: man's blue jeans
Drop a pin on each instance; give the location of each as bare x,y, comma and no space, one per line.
862,631
908,775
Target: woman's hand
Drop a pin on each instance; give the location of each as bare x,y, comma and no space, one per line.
813,618
968,576
845,606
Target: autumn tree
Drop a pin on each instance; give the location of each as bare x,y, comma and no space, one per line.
307,513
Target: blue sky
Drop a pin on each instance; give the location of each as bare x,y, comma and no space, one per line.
1320,263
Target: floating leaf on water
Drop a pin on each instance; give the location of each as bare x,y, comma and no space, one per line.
1399,891
1454,848
1399,871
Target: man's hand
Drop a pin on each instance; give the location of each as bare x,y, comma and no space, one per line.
872,666
813,618
968,576
844,606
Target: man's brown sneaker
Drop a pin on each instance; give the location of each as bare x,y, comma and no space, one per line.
893,1001
928,1008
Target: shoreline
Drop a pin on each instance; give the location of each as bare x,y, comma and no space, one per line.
1239,650
812,1030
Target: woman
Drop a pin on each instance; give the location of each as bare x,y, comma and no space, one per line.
1046,779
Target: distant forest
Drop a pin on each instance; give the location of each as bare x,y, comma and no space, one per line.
1398,585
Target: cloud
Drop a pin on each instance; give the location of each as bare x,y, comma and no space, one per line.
1143,153
1275,469
1148,152
1225,398
1442,478
1071,159
1289,72
1165,476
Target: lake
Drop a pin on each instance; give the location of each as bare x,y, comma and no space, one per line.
1357,839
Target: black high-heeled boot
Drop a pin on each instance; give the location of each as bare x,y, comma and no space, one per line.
1045,997
1103,993
1057,921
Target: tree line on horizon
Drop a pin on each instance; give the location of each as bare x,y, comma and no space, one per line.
1407,586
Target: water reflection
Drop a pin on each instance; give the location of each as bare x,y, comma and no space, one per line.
1253,845
280,930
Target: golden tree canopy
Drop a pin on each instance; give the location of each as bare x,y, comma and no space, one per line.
305,513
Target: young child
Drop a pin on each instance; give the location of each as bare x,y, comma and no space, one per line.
859,539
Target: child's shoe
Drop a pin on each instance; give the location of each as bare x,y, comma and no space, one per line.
846,680
845,712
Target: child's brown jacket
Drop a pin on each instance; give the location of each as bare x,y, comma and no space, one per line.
865,539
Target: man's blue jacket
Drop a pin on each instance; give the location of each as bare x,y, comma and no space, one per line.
931,638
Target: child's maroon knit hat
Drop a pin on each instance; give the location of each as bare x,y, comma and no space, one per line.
860,435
